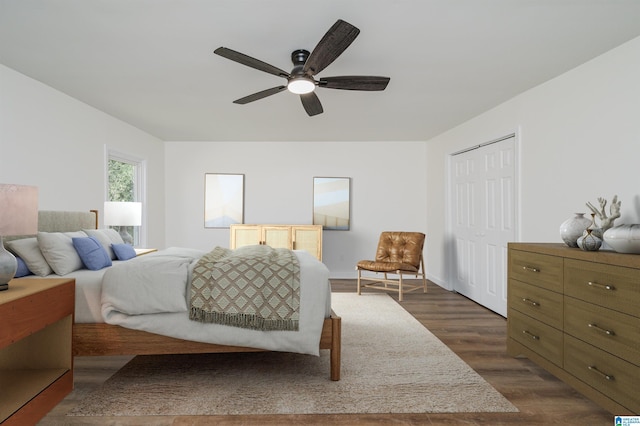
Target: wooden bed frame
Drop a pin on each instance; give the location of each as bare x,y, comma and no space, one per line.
106,339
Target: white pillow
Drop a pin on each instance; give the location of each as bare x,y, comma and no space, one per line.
28,250
106,238
57,248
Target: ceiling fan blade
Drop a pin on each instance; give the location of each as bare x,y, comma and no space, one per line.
259,95
334,42
311,104
355,82
250,62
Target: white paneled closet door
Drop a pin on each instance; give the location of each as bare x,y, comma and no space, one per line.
483,214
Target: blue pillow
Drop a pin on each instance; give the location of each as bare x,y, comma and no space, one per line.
92,253
124,251
23,270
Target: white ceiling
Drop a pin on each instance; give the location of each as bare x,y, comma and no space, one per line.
150,62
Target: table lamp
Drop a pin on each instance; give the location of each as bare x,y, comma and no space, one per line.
123,214
18,216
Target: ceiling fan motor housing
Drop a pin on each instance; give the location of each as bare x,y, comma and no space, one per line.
298,57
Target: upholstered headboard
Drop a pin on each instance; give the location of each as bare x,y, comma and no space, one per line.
63,221
66,221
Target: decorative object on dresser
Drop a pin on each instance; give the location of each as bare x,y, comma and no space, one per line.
624,238
575,313
589,241
123,214
606,222
18,216
572,228
36,364
293,237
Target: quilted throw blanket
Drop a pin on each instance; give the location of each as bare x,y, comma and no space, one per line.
255,287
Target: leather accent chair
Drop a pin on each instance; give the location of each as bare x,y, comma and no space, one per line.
398,254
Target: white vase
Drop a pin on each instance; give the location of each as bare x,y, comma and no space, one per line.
572,229
624,238
589,241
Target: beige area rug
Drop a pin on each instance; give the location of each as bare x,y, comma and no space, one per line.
390,364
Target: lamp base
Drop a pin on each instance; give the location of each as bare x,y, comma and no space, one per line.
126,237
4,287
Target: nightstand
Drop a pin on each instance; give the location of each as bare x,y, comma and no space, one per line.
36,362
141,251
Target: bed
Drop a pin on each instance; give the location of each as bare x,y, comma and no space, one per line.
129,335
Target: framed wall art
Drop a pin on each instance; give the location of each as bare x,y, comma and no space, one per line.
223,199
331,202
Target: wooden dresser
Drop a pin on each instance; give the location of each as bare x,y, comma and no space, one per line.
577,314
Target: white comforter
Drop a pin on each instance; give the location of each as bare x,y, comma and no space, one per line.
151,293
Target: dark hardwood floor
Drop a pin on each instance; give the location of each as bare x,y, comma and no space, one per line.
476,334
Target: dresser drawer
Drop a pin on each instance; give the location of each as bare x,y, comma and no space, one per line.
608,374
544,340
614,287
544,305
536,269
609,330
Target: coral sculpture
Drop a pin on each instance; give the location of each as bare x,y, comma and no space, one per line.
606,222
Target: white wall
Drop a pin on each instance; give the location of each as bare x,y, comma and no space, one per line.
579,139
57,143
387,190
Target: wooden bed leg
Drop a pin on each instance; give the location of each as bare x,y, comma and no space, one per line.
336,339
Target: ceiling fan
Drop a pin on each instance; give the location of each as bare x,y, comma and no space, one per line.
306,65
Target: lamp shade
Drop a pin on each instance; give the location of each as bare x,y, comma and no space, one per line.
18,210
122,213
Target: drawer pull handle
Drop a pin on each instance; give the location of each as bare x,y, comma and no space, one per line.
530,269
533,336
531,302
602,330
602,286
595,369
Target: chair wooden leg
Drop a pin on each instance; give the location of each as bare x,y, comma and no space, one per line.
359,273
424,275
400,289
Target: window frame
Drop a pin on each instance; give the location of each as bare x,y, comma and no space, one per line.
139,187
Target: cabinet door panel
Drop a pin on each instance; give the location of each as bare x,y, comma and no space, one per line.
277,236
244,236
309,239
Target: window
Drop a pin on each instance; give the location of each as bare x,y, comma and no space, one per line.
125,182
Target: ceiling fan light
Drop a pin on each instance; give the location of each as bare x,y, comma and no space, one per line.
301,85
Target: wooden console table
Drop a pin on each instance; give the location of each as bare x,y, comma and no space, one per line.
293,237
